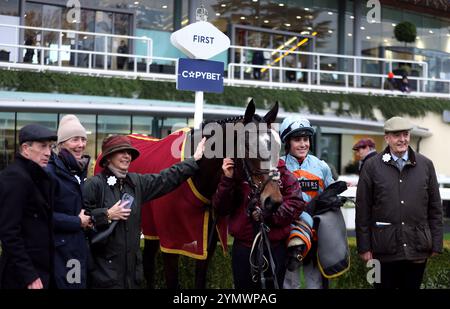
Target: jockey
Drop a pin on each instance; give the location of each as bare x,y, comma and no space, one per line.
232,199
314,176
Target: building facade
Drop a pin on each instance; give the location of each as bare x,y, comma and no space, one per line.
344,27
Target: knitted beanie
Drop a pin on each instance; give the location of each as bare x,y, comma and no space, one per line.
70,126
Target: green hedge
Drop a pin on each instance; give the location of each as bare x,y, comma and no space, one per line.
291,100
437,273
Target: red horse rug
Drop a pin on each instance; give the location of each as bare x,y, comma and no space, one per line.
180,218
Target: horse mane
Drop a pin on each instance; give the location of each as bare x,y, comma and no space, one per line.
227,120
223,121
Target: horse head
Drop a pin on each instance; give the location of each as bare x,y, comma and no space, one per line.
253,144
261,157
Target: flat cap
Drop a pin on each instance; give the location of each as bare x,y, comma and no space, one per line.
364,142
36,132
396,124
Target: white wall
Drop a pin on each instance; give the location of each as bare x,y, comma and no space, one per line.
437,146
10,35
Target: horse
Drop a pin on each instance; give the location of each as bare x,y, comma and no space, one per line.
180,222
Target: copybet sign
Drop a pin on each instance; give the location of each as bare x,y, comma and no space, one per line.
200,75
200,40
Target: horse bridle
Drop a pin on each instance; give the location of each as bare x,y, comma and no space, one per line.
261,238
258,188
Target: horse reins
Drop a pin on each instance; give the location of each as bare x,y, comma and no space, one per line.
256,189
261,238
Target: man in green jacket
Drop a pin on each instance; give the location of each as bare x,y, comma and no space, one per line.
117,260
399,210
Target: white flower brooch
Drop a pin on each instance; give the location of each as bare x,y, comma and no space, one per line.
386,157
78,179
111,180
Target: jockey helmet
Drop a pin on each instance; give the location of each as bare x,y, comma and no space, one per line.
293,126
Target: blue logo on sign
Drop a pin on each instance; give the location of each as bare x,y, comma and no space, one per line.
200,75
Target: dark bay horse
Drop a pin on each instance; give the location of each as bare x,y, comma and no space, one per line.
248,146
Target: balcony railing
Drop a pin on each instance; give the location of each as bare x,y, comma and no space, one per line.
343,73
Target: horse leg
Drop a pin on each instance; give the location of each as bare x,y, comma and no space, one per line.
171,270
148,259
201,266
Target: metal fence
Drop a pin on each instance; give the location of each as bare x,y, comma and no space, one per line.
320,71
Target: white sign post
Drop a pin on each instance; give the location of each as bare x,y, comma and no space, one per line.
200,40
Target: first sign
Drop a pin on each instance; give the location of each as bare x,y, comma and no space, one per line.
200,40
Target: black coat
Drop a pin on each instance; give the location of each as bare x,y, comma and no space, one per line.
363,161
399,213
117,260
26,230
70,240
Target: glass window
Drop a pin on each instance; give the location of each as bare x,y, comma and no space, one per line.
349,34
85,42
371,36
416,19
330,147
324,21
9,7
60,2
111,125
103,24
49,121
430,33
170,125
155,14
69,40
33,18
445,35
389,19
122,24
121,45
6,139
51,18
143,125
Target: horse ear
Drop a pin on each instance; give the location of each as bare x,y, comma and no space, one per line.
271,115
249,112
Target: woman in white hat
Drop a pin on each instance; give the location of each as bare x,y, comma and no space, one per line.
68,165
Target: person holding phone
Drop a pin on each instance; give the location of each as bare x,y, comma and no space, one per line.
117,260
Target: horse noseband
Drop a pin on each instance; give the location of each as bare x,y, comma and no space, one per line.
274,175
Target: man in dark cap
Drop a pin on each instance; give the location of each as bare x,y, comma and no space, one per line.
399,210
364,149
26,213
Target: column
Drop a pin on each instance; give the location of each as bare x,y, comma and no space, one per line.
177,14
357,37
193,6
341,34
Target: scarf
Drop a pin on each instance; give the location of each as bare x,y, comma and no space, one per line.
117,172
75,167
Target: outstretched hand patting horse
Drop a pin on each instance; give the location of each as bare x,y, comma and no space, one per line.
182,230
